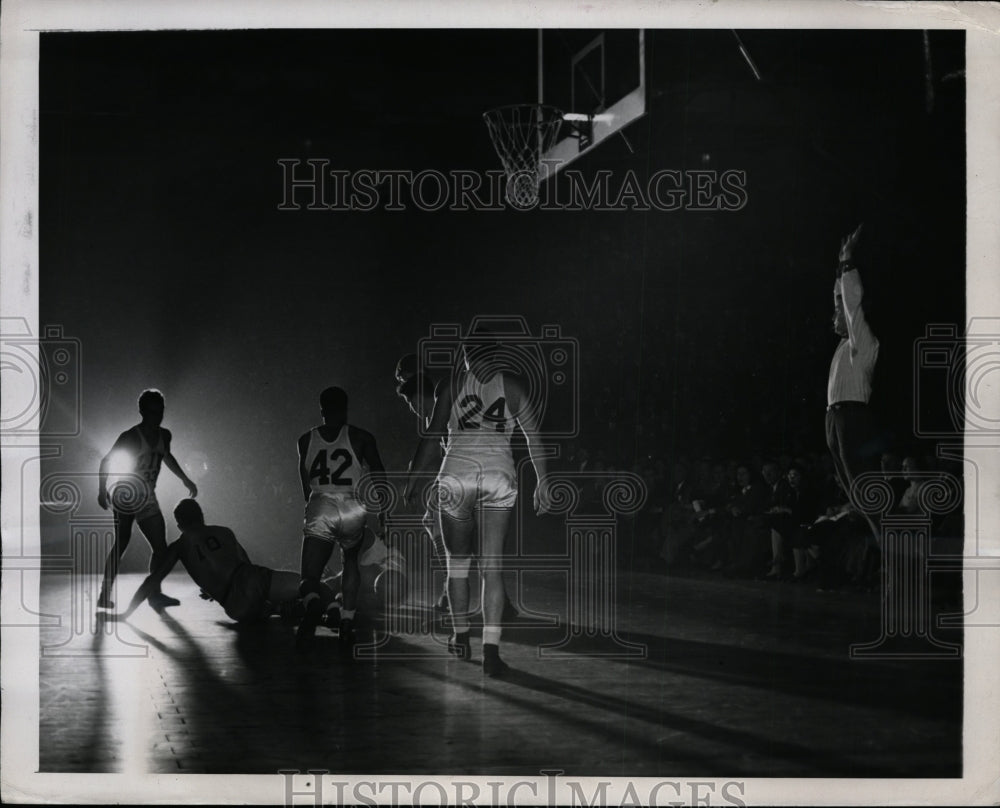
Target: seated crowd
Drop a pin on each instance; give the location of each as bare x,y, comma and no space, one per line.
775,519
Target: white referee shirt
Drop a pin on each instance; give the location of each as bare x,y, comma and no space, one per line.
854,360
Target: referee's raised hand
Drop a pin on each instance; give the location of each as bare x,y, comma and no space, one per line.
847,245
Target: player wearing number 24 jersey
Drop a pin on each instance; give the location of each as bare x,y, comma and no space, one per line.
477,487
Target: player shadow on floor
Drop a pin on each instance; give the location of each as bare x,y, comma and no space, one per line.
898,686
563,698
210,703
99,752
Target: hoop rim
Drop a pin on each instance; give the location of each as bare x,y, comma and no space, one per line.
525,105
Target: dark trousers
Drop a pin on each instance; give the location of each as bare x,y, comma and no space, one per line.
850,434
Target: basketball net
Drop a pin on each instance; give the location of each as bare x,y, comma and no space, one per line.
521,134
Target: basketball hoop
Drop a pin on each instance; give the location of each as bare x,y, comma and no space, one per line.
521,134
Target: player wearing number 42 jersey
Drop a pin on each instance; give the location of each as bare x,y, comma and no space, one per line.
333,458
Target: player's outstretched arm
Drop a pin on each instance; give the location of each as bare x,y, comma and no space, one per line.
859,333
528,421
428,453
152,582
171,463
847,245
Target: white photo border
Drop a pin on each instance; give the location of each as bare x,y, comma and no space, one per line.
22,22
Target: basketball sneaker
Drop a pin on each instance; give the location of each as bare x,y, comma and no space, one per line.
460,645
307,628
493,666
347,636
160,601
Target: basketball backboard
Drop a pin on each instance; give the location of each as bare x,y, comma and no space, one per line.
598,79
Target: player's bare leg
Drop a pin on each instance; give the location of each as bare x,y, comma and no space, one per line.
154,528
494,524
123,535
315,554
458,534
351,583
432,527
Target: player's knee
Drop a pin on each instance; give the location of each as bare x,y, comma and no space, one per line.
459,566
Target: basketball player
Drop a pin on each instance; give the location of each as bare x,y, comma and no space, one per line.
417,390
849,425
479,407
217,562
332,460
383,579
145,446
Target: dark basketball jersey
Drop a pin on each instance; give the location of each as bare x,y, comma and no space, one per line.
211,555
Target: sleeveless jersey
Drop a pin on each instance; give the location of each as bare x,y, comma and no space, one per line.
211,555
480,422
333,468
150,457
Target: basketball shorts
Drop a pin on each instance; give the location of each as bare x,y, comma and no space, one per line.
465,486
247,597
335,518
136,501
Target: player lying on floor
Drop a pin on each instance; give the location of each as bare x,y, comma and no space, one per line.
220,566
217,562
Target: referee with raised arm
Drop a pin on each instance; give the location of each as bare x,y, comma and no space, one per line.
849,426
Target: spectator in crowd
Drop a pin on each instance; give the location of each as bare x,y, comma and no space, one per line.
710,541
777,515
804,511
891,466
907,501
746,530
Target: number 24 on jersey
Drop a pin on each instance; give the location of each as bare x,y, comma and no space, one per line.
471,407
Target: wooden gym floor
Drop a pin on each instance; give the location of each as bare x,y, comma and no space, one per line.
740,678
